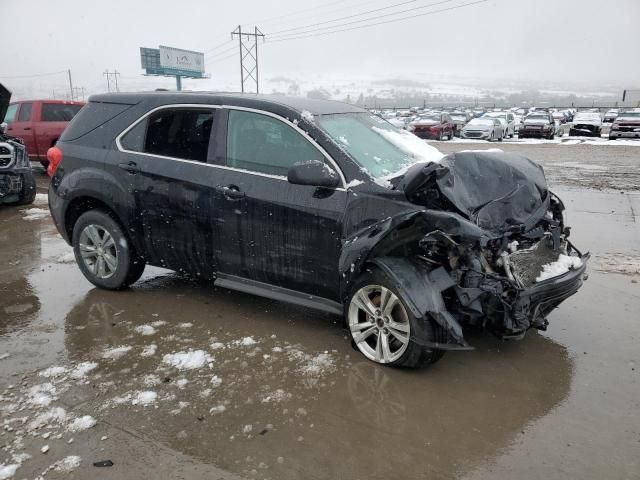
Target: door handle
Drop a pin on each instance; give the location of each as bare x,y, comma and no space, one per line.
129,167
231,192
27,128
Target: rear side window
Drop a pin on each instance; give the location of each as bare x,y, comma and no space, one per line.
178,133
260,143
90,117
11,113
58,112
24,115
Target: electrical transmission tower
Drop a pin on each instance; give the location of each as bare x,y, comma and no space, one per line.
248,56
109,74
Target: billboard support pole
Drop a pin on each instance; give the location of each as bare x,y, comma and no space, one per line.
178,83
70,83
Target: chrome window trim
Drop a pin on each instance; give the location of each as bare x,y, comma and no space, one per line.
286,121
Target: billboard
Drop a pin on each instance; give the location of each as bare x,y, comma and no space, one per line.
185,60
172,61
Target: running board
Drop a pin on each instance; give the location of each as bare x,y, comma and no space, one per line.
277,293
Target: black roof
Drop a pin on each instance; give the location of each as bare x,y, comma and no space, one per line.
316,107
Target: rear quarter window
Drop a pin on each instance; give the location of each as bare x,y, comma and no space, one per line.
90,117
11,113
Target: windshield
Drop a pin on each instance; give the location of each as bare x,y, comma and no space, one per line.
431,116
496,114
481,121
537,117
587,116
378,147
458,117
630,115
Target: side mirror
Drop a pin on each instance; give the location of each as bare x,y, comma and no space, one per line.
314,173
3,127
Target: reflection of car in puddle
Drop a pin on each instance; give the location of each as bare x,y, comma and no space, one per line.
18,304
453,418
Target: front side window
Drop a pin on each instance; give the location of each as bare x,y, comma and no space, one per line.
10,116
263,144
58,112
25,112
177,133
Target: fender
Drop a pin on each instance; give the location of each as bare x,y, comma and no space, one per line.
422,291
88,182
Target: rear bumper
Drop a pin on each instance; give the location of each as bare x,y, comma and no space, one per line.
57,207
427,135
534,133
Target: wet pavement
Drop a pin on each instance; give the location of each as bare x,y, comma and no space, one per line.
185,380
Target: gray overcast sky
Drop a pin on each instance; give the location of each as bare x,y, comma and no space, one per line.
593,42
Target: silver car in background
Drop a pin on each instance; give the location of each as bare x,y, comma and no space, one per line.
483,128
510,120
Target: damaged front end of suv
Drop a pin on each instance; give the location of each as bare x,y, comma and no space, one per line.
17,184
488,247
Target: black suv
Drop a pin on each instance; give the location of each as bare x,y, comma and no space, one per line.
17,184
317,203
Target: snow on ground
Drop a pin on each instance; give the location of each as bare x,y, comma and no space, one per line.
82,369
35,213
187,360
53,372
66,257
149,350
41,198
559,267
115,352
144,398
81,423
67,464
602,141
145,330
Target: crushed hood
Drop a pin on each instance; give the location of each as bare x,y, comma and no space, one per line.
497,191
5,98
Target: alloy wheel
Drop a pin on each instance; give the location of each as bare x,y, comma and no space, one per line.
98,251
379,324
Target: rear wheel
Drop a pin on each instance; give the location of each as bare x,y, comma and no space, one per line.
44,163
104,253
383,328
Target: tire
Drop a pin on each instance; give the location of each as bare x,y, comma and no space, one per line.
104,253
402,349
44,163
440,136
552,136
491,137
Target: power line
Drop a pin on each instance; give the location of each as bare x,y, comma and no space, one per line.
207,52
354,22
299,12
285,38
213,56
35,75
347,17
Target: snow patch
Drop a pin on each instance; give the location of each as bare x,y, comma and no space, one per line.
185,325
308,116
53,372
67,464
35,213
115,352
145,330
247,341
413,146
559,267
82,369
149,350
144,398
67,257
187,360
81,423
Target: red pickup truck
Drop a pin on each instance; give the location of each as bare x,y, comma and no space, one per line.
39,123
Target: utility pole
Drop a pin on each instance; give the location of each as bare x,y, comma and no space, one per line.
248,43
79,93
70,83
106,72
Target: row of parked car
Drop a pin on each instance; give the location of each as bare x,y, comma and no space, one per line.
536,122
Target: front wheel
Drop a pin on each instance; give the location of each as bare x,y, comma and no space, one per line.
104,253
384,330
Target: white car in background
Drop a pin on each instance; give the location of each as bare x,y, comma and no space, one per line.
484,128
509,120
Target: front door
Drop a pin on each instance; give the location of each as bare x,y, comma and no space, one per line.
165,161
273,231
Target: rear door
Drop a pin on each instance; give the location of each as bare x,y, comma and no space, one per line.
22,127
164,159
272,231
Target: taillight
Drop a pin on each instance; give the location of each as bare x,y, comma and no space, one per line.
54,155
